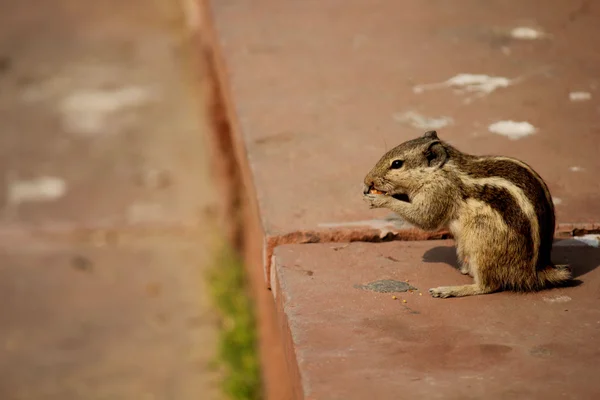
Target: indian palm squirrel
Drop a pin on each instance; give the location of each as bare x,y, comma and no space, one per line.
498,209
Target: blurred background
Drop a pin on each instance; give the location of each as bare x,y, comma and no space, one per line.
109,237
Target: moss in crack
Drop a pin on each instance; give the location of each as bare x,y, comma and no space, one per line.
237,356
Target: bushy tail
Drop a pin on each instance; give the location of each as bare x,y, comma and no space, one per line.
555,275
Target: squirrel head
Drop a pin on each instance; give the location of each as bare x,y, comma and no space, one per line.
403,169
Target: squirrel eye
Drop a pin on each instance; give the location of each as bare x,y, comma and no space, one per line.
396,164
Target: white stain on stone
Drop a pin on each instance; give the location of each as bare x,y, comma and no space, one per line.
419,121
512,130
89,112
580,96
385,226
557,299
575,168
476,83
557,201
526,33
591,240
45,188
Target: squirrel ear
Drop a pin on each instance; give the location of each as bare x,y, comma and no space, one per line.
430,135
436,155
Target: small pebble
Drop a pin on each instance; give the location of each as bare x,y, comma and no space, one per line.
404,301
420,294
394,297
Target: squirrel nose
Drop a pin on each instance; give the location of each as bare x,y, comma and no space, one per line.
366,188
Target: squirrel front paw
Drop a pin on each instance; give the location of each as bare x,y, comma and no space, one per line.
376,200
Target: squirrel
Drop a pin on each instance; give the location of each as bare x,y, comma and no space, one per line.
498,209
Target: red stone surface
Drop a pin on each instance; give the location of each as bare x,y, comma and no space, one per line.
350,343
316,86
314,91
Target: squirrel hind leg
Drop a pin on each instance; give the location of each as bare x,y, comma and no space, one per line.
473,289
464,267
463,260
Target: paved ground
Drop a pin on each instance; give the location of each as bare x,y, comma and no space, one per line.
351,343
104,204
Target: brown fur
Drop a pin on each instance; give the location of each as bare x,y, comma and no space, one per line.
498,209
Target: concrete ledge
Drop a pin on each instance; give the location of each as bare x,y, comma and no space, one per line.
353,343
